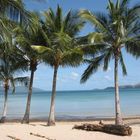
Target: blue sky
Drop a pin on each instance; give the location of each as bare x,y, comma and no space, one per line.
69,78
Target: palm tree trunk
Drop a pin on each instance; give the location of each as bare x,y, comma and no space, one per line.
27,112
51,119
118,120
6,87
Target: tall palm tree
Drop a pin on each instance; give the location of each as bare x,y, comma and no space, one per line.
117,29
25,38
11,14
10,64
60,33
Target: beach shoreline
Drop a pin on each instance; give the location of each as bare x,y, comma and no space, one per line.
86,119
63,131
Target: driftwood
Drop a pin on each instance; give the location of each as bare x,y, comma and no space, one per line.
40,136
13,138
121,130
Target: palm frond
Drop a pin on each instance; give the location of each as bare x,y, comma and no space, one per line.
93,66
73,58
123,65
12,85
107,58
93,49
93,19
40,49
22,80
133,47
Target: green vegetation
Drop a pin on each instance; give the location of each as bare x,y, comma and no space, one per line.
62,49
10,65
28,39
117,29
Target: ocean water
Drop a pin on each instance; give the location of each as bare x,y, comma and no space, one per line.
74,104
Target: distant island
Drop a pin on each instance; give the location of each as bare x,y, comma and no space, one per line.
125,87
120,87
22,89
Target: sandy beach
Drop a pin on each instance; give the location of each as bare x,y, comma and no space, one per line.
62,131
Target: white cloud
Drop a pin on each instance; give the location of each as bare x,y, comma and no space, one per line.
108,78
74,75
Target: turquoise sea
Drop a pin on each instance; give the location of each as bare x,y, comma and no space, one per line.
74,104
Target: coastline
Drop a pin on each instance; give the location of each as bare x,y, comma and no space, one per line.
74,119
63,131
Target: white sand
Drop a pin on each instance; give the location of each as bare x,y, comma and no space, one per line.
62,131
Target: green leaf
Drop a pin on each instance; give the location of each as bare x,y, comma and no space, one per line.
39,49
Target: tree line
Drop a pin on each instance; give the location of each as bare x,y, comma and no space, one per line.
53,38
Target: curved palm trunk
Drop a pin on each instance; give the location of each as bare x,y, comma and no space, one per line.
27,112
118,119
6,87
51,119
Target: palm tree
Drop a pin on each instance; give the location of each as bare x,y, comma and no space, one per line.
11,14
10,64
117,29
25,38
60,33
